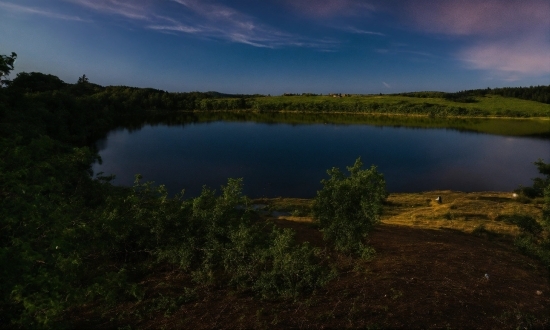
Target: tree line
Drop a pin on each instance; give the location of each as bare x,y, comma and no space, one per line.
533,93
113,102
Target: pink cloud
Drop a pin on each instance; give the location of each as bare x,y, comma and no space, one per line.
508,38
475,17
513,60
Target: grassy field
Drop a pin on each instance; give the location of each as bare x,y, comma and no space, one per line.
465,212
449,265
491,114
489,105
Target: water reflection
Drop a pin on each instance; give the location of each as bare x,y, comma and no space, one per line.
290,159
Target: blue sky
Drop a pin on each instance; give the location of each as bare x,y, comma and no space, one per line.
278,46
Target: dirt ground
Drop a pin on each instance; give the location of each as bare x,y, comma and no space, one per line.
420,278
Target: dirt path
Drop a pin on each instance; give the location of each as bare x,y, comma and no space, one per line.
420,278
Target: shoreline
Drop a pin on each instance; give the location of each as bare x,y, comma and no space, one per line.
373,114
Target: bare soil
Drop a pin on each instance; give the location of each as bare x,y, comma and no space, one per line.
420,278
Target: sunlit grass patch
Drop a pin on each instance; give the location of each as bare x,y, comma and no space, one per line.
460,211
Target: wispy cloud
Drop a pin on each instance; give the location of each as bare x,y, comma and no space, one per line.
396,49
206,19
418,53
128,9
386,84
218,21
40,12
329,8
359,31
176,28
213,20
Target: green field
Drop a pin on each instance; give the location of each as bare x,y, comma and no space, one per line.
482,106
493,104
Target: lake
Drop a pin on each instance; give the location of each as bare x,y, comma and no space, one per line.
289,160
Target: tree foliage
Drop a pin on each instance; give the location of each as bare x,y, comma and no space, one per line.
348,207
535,238
539,183
68,239
6,66
533,93
545,169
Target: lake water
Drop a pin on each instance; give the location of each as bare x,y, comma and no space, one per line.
290,160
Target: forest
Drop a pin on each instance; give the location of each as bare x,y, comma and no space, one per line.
533,93
70,240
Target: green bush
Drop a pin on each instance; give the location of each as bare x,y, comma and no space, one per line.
347,207
546,211
219,241
526,223
539,184
531,242
290,269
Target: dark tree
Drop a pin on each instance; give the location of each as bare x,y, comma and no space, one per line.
6,66
35,82
83,79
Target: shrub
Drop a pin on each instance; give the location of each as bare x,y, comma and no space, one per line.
539,184
546,211
217,239
347,208
290,269
529,243
525,222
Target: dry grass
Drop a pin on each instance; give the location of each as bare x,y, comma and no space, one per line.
459,211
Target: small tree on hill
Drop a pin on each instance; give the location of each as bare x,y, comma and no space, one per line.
348,207
83,80
539,184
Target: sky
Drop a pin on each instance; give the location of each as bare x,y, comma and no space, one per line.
283,46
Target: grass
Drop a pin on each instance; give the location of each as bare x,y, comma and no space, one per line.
459,211
493,105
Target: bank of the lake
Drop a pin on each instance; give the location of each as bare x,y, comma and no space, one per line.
509,126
